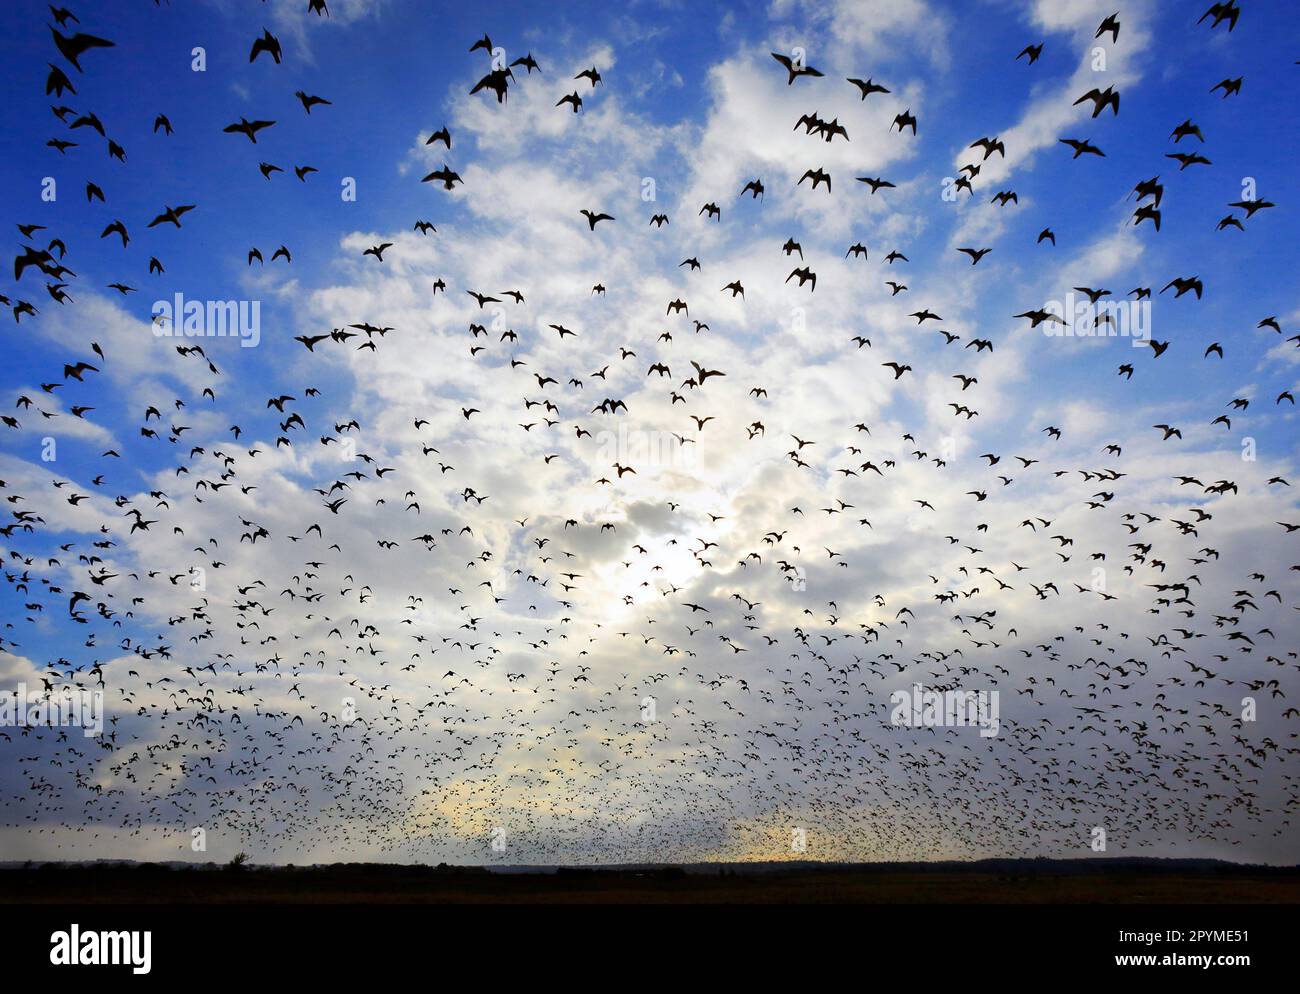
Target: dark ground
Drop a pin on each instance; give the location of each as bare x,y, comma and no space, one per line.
990,882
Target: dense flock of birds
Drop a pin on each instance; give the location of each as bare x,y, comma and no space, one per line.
700,719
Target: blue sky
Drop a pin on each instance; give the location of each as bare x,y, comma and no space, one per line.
691,99
656,45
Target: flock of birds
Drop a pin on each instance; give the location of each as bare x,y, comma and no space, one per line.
298,701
